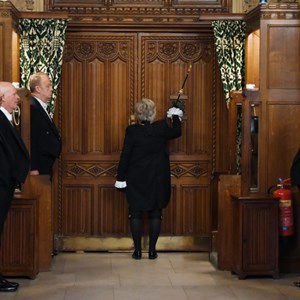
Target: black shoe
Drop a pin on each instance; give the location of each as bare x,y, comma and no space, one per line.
297,283
15,284
5,286
152,255
137,255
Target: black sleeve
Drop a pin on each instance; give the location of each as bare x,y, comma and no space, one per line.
125,155
175,130
295,170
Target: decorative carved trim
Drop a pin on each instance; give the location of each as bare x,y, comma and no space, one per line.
90,169
8,10
29,4
189,169
136,11
280,11
108,49
5,13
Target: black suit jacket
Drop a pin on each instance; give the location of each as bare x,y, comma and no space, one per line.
295,170
45,139
14,164
144,164
20,155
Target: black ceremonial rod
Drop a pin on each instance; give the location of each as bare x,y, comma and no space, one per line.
178,103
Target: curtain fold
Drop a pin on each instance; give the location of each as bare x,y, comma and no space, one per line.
230,38
41,50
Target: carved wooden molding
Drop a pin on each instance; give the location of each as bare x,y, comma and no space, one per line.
137,11
90,169
87,50
202,4
8,10
280,11
189,169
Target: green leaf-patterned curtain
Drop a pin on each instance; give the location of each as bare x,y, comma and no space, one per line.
41,50
230,37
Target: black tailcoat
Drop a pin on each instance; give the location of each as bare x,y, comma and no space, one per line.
14,166
45,139
144,164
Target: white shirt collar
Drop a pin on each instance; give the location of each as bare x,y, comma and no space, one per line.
6,113
43,104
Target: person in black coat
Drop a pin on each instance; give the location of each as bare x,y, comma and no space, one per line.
14,161
295,170
144,170
295,181
45,137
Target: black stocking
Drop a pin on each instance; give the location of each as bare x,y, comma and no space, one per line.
154,231
136,231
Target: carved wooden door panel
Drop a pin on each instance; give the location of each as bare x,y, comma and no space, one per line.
103,76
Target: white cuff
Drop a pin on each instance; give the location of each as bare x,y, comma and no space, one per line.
120,184
174,111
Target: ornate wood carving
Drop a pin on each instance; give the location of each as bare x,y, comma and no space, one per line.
190,169
280,11
7,10
103,76
104,169
90,169
137,11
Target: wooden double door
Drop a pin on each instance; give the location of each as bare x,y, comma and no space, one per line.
103,75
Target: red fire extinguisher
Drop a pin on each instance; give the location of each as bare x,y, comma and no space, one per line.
286,218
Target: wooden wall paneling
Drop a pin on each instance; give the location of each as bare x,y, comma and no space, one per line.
283,58
273,55
196,213
71,108
107,85
94,107
280,97
40,187
9,53
114,212
283,131
77,207
170,214
228,185
20,242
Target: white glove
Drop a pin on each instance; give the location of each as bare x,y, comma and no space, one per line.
175,111
120,184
